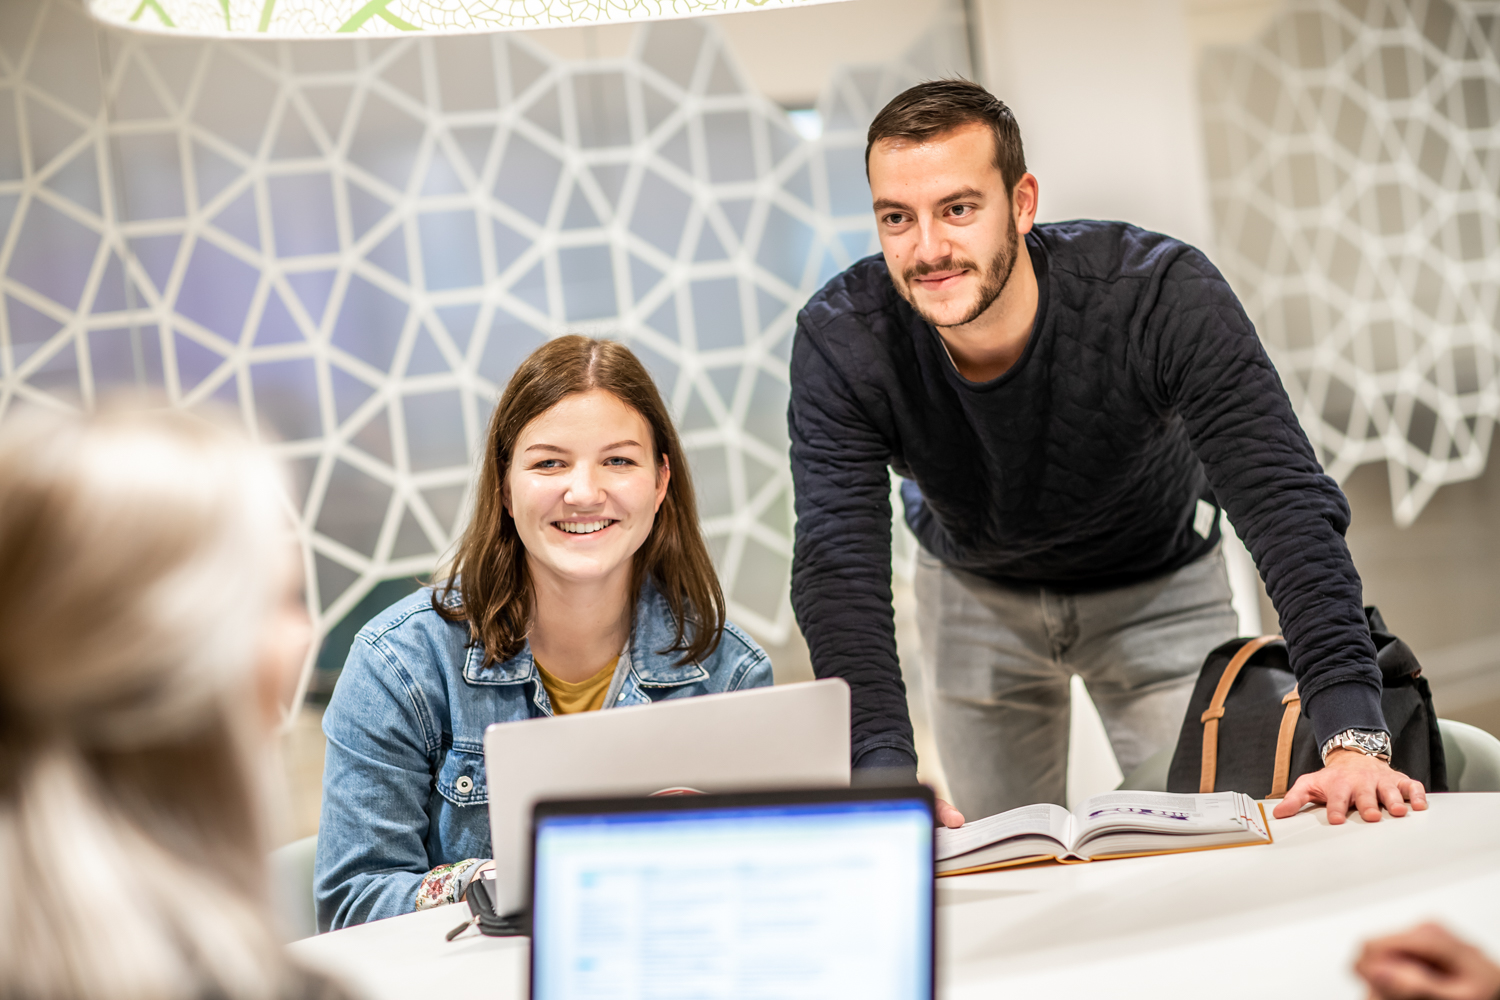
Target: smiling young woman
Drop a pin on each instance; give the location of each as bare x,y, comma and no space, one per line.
582,437
582,582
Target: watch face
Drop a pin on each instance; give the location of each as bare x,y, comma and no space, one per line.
1374,743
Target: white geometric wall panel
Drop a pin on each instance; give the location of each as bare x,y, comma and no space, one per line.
1354,153
301,18
353,243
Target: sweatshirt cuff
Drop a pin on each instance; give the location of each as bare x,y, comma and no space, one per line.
1344,706
884,766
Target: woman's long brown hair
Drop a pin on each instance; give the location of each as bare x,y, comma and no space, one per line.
489,569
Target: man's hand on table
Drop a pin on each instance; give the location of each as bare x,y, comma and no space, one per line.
893,766
1350,778
949,816
1427,962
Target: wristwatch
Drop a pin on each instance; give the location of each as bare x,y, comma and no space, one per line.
1370,742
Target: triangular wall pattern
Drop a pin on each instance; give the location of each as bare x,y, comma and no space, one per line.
1354,154
340,255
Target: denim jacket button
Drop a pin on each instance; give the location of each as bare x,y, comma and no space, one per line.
464,784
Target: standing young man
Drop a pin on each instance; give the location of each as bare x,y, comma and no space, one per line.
1069,404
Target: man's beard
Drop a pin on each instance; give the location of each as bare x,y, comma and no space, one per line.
992,283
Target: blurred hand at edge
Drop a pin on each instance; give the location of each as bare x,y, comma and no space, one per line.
1427,963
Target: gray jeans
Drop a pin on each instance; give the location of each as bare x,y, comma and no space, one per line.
998,660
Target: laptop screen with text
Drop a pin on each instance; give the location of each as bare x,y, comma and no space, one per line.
735,896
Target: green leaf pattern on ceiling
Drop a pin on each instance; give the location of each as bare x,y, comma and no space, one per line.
301,18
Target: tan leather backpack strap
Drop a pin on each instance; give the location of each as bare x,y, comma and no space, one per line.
1215,710
1293,703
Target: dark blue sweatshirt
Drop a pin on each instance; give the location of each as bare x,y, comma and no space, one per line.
1142,389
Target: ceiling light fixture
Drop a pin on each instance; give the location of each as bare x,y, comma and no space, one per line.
342,18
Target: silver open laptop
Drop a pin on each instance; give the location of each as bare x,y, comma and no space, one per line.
794,736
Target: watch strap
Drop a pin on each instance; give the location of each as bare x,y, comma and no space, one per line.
1370,742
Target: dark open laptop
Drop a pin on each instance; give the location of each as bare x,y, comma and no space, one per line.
822,894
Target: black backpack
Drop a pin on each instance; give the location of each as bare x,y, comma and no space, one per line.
1245,731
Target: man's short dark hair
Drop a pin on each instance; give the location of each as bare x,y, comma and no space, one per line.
938,106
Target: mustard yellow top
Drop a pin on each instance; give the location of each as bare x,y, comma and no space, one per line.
578,696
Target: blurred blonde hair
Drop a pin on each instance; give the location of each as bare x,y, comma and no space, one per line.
135,579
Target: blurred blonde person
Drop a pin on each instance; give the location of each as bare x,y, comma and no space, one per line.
150,632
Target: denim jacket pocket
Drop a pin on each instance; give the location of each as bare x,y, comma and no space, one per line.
460,778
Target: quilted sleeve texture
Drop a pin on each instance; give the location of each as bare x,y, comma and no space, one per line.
1211,368
841,570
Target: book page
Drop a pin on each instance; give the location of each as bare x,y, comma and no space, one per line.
1162,812
1043,819
1016,850
1255,819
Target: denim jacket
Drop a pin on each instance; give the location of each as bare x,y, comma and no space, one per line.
403,781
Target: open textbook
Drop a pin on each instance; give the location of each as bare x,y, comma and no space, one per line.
1112,825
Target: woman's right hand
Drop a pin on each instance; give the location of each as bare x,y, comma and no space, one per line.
478,873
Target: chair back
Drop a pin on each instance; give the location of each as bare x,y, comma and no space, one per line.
292,901
1473,757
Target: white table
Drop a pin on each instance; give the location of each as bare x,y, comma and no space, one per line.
1253,922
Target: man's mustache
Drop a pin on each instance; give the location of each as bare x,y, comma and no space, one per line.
920,269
